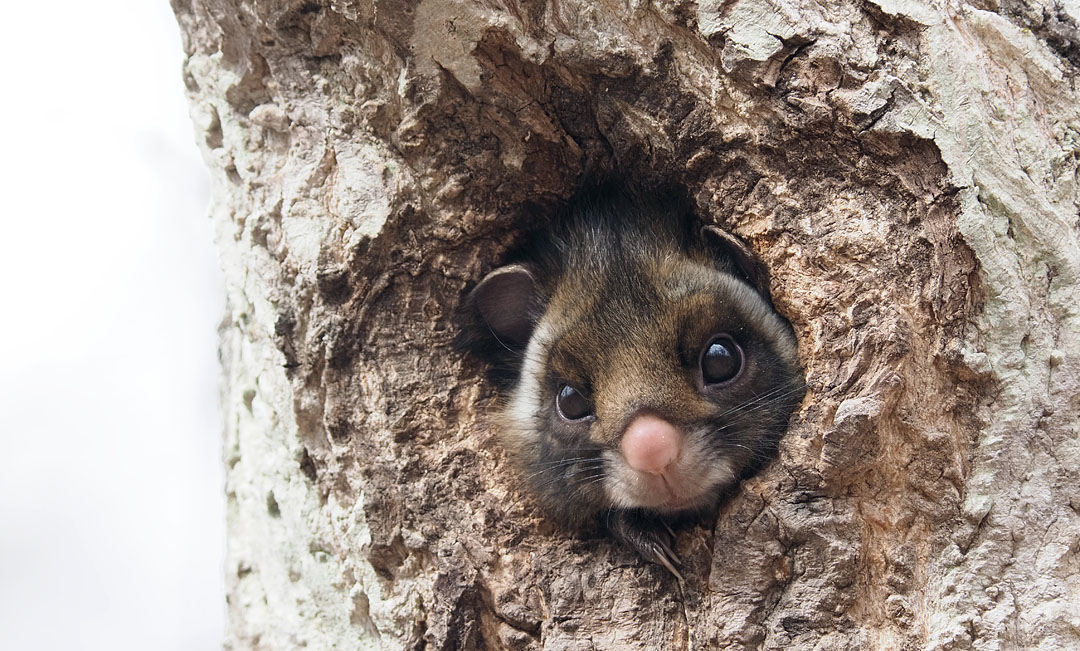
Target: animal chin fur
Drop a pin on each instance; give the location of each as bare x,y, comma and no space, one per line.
694,480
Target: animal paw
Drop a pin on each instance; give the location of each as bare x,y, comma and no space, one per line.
651,539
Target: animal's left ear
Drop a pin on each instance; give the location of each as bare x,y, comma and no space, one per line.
508,301
744,263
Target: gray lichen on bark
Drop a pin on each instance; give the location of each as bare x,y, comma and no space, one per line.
907,170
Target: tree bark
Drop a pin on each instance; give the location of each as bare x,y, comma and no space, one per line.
907,170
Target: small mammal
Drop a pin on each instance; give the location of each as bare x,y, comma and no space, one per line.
646,368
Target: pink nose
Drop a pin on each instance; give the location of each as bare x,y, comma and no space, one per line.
650,444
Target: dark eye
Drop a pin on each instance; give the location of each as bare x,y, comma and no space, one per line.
571,404
721,360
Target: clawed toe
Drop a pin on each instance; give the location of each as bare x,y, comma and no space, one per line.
664,556
649,540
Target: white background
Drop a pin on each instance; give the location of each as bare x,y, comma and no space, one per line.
111,506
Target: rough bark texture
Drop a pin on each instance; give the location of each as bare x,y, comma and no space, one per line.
907,170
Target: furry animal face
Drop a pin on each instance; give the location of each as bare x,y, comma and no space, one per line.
648,370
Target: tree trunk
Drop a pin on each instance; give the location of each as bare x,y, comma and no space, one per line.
907,171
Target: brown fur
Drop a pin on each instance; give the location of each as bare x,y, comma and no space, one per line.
628,292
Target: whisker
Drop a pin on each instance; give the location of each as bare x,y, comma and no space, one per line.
560,462
564,477
763,399
559,478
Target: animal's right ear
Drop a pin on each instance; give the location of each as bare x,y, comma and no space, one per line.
746,264
508,301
